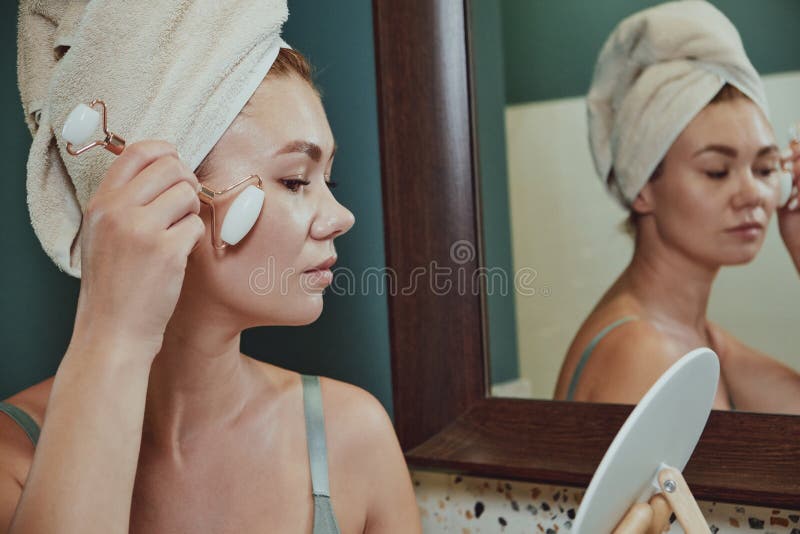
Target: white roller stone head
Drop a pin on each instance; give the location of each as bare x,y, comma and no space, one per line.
785,182
242,215
81,123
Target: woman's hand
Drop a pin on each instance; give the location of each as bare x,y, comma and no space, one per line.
646,518
138,231
789,216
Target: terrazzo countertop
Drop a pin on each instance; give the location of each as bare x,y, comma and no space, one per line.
472,505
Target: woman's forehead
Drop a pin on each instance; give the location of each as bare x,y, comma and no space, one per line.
738,123
281,111
287,108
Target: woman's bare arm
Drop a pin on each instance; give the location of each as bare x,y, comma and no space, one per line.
83,470
16,452
138,230
757,382
367,464
393,506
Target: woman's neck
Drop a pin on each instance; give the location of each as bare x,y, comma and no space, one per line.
673,288
199,381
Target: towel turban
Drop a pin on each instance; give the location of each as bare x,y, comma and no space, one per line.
659,68
176,70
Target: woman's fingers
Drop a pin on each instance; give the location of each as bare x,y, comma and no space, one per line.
157,177
187,232
636,521
173,205
132,161
661,513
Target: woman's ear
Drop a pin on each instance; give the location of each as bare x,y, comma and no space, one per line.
644,203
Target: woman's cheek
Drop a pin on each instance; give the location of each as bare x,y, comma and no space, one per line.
769,191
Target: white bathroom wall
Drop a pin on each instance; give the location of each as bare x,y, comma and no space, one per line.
556,198
470,505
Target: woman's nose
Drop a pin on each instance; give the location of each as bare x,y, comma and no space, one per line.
751,192
333,219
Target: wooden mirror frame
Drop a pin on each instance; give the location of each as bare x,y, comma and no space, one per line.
444,417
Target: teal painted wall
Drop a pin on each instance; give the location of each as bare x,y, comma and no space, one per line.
487,61
551,46
349,342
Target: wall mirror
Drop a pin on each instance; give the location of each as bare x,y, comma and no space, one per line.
554,240
444,336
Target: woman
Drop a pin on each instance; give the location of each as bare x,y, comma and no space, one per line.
155,421
656,105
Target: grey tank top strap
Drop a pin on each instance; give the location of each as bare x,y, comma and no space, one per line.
22,419
324,518
588,351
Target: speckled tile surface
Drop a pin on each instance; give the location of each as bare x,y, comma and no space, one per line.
470,505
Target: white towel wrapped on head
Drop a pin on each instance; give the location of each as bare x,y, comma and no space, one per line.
176,70
659,68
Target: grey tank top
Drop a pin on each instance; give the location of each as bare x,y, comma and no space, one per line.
324,518
588,351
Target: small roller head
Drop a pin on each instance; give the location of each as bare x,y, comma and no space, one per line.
242,214
81,123
785,180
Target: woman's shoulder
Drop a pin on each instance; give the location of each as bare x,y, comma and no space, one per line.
16,449
353,416
366,462
629,360
33,400
357,419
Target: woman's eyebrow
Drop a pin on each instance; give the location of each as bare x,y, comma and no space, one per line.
722,149
312,150
768,149
732,152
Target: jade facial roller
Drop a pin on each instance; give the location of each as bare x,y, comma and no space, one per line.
83,122
786,173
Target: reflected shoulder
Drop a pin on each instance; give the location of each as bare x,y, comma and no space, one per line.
628,361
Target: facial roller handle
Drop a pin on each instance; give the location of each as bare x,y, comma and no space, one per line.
114,143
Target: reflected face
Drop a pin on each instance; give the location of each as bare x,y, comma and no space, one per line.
283,136
719,185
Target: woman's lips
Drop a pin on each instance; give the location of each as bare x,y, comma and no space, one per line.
319,277
747,230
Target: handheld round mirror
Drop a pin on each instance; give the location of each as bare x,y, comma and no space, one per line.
662,430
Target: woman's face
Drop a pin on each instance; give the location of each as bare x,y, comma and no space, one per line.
719,175
283,136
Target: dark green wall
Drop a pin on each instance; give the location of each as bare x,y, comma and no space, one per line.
551,46
38,300
350,340
487,60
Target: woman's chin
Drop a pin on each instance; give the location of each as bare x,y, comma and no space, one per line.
305,313
740,257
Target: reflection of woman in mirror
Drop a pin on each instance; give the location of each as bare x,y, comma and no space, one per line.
680,135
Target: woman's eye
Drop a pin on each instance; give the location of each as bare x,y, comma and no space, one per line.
717,175
766,172
294,184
